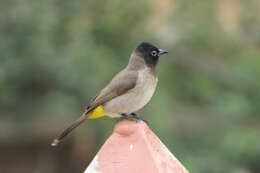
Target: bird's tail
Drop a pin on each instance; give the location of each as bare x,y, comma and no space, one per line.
65,132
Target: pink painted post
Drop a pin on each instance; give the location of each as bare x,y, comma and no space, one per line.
134,148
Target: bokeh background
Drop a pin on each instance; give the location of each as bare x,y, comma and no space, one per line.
55,55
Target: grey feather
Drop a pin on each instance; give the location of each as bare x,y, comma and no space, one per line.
120,84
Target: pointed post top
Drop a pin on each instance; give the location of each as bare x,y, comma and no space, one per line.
133,147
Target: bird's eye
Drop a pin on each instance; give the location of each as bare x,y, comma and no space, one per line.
154,53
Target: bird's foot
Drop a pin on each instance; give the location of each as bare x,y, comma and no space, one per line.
133,114
133,117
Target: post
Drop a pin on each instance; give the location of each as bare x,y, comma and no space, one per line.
134,148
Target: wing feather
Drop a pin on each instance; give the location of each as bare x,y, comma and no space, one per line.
120,84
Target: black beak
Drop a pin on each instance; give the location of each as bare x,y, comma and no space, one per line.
161,52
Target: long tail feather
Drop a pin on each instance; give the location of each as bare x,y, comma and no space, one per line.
65,132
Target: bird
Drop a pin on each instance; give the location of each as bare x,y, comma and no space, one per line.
129,91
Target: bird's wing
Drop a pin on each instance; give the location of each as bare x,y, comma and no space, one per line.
120,84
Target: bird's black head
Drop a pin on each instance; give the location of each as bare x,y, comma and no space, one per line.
150,53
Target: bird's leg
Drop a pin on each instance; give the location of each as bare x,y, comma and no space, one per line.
124,115
133,114
134,117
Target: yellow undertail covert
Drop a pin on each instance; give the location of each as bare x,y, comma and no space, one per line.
97,113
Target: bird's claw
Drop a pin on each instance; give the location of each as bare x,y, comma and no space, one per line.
133,117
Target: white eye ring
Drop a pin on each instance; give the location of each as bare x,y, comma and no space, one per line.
154,53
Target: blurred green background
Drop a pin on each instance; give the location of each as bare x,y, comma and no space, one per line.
55,55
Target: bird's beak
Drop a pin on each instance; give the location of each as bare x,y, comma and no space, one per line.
161,52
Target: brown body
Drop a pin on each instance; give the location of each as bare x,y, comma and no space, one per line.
130,90
144,80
